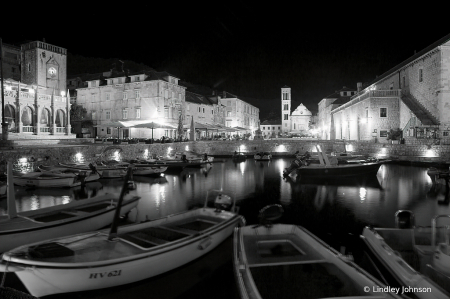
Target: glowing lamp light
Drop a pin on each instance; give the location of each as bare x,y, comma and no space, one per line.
79,157
116,156
8,87
242,148
349,147
280,148
23,160
63,93
146,152
186,148
429,153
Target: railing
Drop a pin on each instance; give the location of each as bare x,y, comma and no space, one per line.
44,129
28,129
30,95
60,129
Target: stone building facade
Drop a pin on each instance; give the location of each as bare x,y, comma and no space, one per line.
326,105
239,113
413,96
133,99
296,122
36,103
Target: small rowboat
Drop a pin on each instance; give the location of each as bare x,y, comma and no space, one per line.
417,257
148,169
138,251
105,171
46,180
287,261
19,228
88,176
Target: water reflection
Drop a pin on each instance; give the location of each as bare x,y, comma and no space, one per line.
349,202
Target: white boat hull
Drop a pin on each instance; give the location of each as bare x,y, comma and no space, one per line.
55,182
43,278
148,170
17,237
399,268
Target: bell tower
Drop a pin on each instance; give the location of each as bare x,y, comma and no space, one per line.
285,109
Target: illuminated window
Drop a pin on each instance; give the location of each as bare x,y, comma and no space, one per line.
420,75
138,113
108,114
124,114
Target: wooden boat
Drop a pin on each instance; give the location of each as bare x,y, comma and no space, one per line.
147,169
416,257
328,168
88,176
46,180
19,228
105,171
99,260
262,156
364,181
287,261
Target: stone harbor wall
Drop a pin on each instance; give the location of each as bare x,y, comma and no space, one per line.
52,155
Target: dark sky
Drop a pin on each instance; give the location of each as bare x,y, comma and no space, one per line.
245,49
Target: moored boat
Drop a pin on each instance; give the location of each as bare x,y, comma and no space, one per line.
287,261
138,251
46,180
262,156
330,167
105,171
19,228
86,175
417,257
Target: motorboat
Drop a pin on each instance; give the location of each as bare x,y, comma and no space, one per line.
416,257
287,261
106,171
148,169
134,252
330,167
19,228
262,156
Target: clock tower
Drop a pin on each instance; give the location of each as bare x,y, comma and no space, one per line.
44,65
285,109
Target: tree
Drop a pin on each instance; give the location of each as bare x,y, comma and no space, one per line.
77,112
180,127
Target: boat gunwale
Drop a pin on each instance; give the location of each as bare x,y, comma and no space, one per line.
417,276
46,225
148,252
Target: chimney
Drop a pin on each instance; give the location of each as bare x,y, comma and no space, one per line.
359,86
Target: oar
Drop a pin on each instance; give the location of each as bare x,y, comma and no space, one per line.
114,225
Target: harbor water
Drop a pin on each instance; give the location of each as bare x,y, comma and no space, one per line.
335,210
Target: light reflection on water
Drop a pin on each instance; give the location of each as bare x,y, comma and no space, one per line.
258,183
333,208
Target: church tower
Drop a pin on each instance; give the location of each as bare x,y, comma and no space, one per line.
285,109
44,65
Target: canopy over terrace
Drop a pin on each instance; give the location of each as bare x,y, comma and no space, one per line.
154,125
116,124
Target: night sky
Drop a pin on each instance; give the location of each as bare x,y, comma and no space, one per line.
251,51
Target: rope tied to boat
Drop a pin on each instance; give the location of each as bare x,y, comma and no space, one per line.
10,293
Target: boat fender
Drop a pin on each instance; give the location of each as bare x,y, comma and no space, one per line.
205,243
